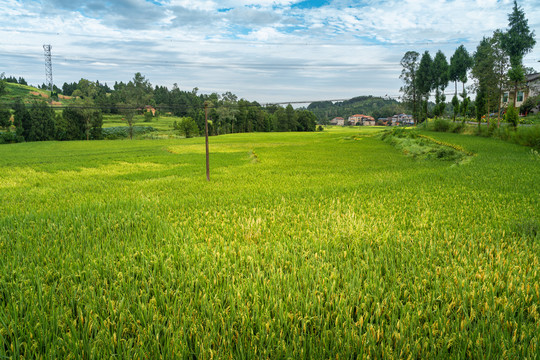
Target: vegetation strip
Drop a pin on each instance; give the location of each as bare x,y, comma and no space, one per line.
422,146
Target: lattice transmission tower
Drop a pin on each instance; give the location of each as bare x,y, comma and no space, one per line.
48,67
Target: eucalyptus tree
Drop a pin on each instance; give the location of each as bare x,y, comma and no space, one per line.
517,42
408,75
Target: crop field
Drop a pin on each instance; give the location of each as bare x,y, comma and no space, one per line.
160,123
332,245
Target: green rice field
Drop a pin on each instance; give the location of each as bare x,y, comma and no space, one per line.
326,245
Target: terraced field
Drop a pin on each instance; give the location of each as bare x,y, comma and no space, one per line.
303,245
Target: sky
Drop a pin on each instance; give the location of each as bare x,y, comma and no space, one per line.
260,50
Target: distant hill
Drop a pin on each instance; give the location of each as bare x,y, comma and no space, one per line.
367,105
29,93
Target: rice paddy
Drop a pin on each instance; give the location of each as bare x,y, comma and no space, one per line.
332,244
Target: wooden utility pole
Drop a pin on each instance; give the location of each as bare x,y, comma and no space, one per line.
206,136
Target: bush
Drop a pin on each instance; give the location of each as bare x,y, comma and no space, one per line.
529,104
458,127
512,116
441,125
148,116
10,137
528,136
187,127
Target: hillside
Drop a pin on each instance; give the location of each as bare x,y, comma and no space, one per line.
368,105
29,93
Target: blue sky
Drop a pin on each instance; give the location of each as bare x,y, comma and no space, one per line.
264,50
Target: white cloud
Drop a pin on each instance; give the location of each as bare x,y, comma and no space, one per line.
263,50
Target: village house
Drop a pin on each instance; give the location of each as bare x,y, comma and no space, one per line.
339,121
402,119
530,88
360,119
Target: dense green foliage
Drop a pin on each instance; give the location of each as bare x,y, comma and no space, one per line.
367,105
303,245
82,112
5,118
186,126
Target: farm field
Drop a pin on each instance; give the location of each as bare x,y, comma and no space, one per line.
331,244
160,123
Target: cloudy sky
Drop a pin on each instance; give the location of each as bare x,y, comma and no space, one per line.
264,50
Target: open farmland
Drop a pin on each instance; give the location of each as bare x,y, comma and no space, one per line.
303,245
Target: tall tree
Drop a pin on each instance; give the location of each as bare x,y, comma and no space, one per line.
306,120
517,42
483,71
41,122
21,118
502,63
292,123
86,89
440,81
139,90
409,62
424,82
82,122
460,63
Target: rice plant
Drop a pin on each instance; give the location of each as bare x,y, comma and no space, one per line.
302,245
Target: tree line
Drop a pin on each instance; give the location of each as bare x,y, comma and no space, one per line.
377,107
495,66
83,117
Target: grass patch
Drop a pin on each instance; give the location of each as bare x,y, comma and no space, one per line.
411,143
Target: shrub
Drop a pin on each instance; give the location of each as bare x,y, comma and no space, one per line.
187,127
148,116
512,116
529,104
441,125
458,127
528,136
10,137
